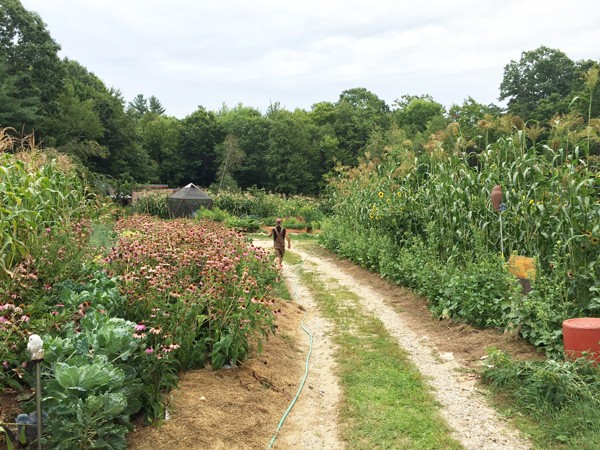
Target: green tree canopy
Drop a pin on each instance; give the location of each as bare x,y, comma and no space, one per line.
200,133
414,113
250,129
160,136
30,59
16,111
358,113
138,106
291,155
76,127
540,82
469,116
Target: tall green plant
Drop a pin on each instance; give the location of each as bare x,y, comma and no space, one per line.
37,194
442,198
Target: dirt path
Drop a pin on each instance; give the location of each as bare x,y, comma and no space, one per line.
312,422
475,424
241,408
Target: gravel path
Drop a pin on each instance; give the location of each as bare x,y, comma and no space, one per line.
475,424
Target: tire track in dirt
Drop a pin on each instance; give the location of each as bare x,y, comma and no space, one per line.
313,421
476,425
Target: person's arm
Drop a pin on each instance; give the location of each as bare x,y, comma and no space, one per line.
271,232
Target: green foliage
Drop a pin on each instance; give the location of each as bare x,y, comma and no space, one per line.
291,154
245,224
30,58
154,203
16,109
242,223
216,214
160,139
469,116
541,313
425,220
297,211
199,135
230,157
358,113
415,113
128,159
76,127
559,397
94,383
37,195
45,233
535,78
250,131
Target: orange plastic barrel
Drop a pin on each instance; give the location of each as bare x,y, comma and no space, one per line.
582,335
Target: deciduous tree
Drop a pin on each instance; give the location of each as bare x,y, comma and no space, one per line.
200,133
251,132
540,82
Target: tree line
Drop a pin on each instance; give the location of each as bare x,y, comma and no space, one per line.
71,109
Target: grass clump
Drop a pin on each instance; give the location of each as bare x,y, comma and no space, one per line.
557,402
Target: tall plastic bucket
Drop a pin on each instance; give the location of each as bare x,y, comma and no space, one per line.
582,335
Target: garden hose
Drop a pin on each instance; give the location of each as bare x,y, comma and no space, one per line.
293,402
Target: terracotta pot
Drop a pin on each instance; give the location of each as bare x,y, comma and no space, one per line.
582,335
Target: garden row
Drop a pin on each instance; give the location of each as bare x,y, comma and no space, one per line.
246,211
122,309
426,221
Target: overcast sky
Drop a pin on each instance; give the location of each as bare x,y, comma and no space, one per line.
301,52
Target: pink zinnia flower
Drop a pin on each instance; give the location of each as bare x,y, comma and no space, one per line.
140,327
149,350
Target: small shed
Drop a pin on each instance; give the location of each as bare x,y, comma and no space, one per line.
187,200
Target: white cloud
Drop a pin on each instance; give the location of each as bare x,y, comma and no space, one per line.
206,53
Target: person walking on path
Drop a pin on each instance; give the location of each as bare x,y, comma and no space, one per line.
279,237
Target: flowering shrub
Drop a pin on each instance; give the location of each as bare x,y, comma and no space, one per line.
197,285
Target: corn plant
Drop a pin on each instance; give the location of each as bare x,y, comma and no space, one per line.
34,197
441,198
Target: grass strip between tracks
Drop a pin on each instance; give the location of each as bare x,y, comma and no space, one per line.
386,402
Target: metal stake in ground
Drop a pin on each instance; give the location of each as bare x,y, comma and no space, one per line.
36,348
